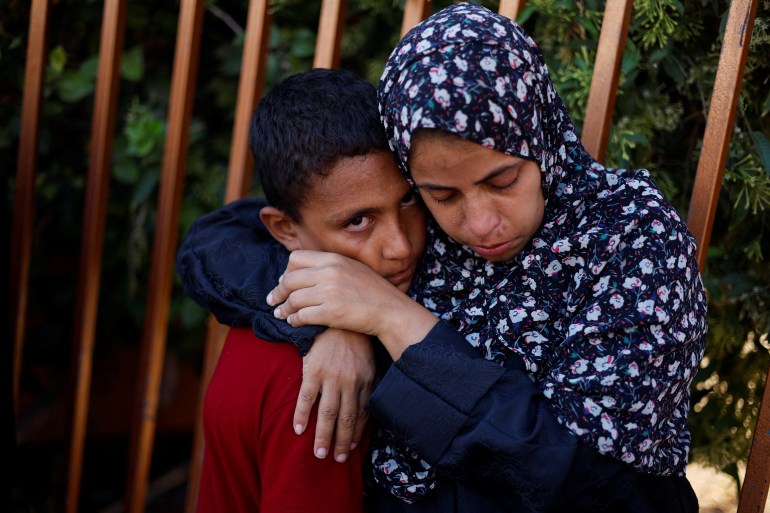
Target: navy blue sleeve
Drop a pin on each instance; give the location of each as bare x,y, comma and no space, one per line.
228,262
478,421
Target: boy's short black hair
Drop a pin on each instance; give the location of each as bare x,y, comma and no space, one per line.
305,125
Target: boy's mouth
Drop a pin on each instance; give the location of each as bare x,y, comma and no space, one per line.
401,276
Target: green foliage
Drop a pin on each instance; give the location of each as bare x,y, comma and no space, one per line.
667,76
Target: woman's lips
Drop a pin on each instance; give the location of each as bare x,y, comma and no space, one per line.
492,251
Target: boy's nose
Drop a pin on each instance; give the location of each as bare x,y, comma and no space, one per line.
396,245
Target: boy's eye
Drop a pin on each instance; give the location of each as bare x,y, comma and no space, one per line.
409,198
358,223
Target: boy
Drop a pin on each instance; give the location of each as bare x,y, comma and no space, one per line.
331,184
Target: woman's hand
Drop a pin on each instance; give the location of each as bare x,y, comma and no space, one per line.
340,369
335,291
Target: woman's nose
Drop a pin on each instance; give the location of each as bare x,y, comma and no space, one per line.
481,218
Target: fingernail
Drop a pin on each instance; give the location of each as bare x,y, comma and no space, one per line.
340,458
270,299
299,428
320,453
280,278
277,312
353,446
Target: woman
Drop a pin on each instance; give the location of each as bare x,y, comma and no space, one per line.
572,315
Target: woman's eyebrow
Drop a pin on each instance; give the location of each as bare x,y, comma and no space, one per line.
433,187
497,171
494,172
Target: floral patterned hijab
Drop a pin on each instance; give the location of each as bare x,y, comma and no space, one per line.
606,305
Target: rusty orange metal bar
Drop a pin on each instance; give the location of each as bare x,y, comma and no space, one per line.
511,8
705,196
87,303
24,199
182,94
414,12
250,88
720,123
330,28
604,83
754,489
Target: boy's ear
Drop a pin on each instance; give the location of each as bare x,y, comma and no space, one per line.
282,227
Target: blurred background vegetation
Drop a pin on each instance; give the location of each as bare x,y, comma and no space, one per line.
667,77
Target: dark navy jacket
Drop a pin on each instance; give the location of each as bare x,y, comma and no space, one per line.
486,428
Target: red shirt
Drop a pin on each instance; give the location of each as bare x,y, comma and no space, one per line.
253,461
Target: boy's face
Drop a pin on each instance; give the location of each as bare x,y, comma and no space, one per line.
364,209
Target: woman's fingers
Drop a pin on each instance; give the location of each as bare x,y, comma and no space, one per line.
304,271
335,291
307,269
301,308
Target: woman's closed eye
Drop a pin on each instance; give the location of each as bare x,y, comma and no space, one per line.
504,180
442,197
502,185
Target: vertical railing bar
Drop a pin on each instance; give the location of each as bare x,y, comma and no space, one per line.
756,481
703,204
183,83
604,83
330,27
511,8
215,337
250,88
720,123
24,199
414,12
102,135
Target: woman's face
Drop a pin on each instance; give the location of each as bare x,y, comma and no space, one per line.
485,199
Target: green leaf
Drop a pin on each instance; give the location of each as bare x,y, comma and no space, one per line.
525,14
589,26
144,135
90,67
304,44
145,187
715,252
132,65
191,313
631,58
762,145
126,172
57,59
766,105
674,70
74,86
660,53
